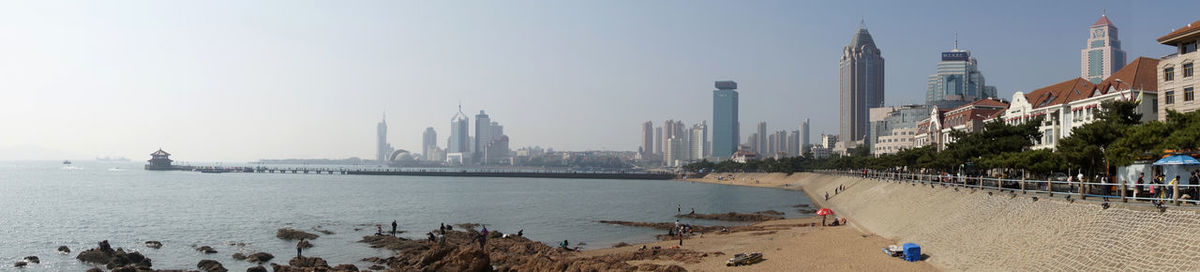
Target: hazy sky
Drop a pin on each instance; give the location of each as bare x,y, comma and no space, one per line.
244,80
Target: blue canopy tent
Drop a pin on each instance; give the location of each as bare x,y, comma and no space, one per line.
1179,165
1178,160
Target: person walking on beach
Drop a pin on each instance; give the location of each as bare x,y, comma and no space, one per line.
299,247
393,228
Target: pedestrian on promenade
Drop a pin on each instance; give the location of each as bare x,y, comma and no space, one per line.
1137,185
394,228
1174,189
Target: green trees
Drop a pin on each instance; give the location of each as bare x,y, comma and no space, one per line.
1086,147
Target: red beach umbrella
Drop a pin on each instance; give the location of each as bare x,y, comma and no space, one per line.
824,211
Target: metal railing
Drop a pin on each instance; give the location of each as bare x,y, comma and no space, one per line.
1163,192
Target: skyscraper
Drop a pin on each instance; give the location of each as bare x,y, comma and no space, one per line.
725,120
460,127
658,141
647,139
804,137
483,133
957,81
429,143
861,84
793,143
699,141
1102,54
383,149
763,147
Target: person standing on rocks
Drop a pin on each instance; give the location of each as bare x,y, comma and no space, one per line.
393,228
483,237
299,247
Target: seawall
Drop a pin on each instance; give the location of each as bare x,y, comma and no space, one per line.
975,230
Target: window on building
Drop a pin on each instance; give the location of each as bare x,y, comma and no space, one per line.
1189,94
1188,48
1187,70
1170,97
1169,74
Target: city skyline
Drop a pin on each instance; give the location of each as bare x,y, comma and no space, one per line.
310,83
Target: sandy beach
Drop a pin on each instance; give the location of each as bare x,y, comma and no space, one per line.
787,244
787,247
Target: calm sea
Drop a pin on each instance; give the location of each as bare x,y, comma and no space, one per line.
44,205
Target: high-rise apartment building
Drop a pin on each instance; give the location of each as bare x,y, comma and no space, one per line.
725,120
793,143
658,141
483,133
762,148
647,139
699,141
958,81
861,85
1102,55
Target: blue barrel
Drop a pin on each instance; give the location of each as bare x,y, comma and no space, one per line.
912,252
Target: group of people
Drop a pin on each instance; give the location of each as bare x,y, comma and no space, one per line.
1160,190
836,191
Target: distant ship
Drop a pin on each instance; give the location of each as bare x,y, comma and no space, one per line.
66,162
111,159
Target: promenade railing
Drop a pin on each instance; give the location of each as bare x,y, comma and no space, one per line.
1164,193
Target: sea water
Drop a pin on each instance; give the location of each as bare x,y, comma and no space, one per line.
44,205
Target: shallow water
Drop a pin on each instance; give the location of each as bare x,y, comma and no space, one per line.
44,205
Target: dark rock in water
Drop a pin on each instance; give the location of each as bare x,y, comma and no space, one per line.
206,249
257,269
64,249
468,226
154,244
95,269
394,243
291,234
770,212
239,256
211,266
732,216
94,256
20,264
125,269
32,259
345,267
309,262
305,244
377,267
260,257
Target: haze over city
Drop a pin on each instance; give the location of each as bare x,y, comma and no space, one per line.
238,81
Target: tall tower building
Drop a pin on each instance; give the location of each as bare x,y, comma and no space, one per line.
647,139
483,133
699,141
861,84
725,120
763,147
429,143
383,149
658,141
1102,55
804,138
460,127
958,80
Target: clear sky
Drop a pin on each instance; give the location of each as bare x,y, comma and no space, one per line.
244,80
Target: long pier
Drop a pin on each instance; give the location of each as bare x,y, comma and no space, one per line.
503,173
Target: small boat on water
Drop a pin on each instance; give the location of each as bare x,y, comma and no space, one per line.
66,162
744,259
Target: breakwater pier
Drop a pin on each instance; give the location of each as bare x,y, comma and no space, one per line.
433,172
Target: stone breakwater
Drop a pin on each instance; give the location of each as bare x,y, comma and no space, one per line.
975,230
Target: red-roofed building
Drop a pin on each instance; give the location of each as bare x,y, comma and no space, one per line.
1074,103
1176,72
969,117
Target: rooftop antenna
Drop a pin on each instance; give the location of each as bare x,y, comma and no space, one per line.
862,23
955,41
1103,12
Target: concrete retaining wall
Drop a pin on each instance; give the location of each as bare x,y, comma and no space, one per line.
965,230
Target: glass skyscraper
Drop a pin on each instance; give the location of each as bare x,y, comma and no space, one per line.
861,85
725,120
1102,55
958,81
